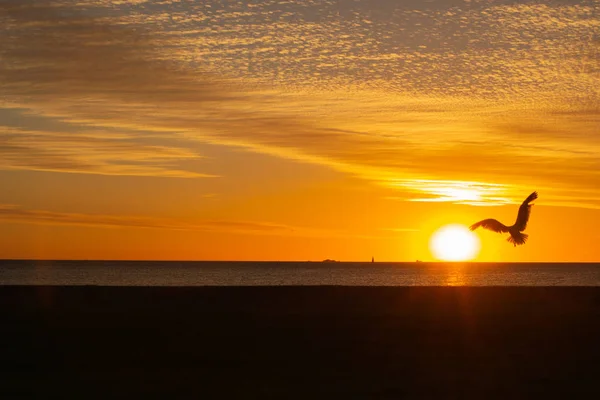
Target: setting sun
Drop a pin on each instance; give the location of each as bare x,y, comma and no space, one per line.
454,243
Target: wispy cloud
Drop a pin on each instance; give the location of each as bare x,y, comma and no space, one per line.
13,213
501,97
402,230
473,193
10,213
43,151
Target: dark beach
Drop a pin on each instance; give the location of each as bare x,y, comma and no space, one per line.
300,342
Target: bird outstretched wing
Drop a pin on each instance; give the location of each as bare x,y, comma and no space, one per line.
524,212
491,224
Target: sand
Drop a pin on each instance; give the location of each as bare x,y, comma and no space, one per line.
301,342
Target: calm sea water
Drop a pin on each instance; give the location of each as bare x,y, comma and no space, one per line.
158,273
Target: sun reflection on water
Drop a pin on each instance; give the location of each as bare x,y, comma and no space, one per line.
456,276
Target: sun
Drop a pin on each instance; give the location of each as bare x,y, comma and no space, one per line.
454,243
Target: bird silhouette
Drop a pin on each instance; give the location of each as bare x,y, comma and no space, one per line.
516,237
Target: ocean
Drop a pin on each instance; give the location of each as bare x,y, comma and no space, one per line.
226,273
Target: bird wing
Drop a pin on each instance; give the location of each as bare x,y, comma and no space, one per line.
524,212
491,224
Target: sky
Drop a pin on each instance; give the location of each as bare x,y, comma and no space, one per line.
296,130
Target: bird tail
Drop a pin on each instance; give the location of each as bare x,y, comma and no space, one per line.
517,238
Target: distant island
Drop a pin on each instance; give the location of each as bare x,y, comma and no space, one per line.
329,261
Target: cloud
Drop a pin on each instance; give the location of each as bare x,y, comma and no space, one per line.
44,151
10,213
13,213
418,101
402,230
57,62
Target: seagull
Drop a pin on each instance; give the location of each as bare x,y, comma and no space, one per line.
516,237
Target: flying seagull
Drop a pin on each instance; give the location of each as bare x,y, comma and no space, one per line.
516,237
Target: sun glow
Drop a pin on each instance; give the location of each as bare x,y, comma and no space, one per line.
454,243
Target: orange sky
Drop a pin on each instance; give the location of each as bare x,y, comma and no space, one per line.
296,131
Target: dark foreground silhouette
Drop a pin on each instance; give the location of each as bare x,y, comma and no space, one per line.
516,237
300,342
